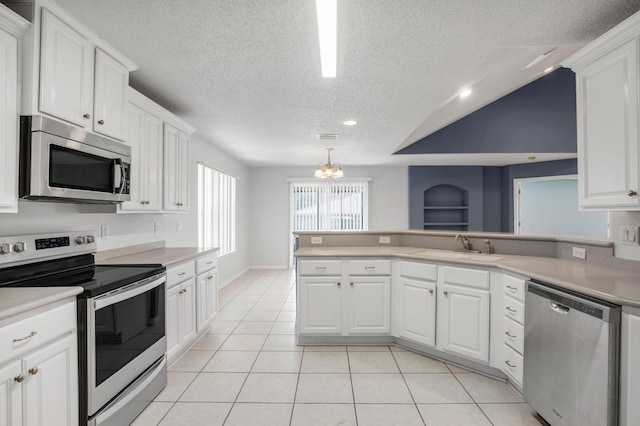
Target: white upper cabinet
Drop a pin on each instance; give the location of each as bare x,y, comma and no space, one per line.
66,72
176,169
111,82
607,80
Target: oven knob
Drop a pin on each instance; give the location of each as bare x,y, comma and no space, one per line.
20,246
90,239
81,240
5,248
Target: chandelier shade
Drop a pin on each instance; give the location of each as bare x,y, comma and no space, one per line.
328,170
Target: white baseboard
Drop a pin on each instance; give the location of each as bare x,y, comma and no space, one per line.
230,280
269,267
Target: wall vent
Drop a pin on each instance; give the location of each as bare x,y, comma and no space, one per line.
328,136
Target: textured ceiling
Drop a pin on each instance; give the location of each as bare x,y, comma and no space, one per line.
246,73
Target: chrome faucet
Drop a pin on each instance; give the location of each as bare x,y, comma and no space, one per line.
466,245
487,245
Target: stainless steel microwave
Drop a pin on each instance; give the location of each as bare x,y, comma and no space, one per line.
60,162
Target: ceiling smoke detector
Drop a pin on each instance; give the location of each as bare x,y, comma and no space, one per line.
328,136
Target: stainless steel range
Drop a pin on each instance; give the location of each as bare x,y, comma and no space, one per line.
121,319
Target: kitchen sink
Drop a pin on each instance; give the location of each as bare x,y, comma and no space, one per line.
453,255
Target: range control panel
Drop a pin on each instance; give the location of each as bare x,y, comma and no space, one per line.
32,248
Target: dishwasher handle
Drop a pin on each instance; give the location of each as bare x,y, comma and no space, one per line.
564,301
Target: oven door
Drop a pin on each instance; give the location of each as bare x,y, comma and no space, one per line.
126,336
64,168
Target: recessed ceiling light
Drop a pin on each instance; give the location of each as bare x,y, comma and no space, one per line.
465,92
327,11
350,122
548,70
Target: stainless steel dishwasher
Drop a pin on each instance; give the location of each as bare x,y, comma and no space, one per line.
571,357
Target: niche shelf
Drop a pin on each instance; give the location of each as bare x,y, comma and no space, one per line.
446,207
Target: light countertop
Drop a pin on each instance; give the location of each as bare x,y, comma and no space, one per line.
14,301
160,256
613,285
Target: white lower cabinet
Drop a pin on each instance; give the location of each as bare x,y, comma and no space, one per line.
629,367
181,309
463,312
207,291
415,307
512,327
342,303
39,368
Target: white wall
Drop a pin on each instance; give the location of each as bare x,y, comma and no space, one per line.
269,223
129,229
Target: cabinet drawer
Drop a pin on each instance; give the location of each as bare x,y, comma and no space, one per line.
421,271
320,267
179,273
513,287
465,276
205,263
513,334
512,364
35,330
514,309
369,267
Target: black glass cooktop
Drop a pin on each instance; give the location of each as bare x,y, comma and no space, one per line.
77,271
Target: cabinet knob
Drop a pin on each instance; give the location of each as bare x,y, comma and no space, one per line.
87,116
351,284
34,370
101,122
446,293
430,291
339,284
19,378
632,193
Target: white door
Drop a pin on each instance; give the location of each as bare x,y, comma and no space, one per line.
463,321
188,314
319,305
153,162
417,310
171,172
369,305
607,99
173,320
8,122
110,103
11,394
66,72
51,384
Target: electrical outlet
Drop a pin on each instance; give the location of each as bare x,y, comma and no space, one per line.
316,240
384,240
156,227
579,252
179,226
629,235
104,232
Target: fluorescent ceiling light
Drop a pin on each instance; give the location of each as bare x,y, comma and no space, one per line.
350,122
548,70
327,11
465,92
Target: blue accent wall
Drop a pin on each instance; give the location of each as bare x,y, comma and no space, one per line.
539,117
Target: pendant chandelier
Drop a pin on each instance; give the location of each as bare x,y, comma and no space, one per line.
329,170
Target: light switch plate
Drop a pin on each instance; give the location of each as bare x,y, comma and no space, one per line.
316,240
384,240
104,231
629,235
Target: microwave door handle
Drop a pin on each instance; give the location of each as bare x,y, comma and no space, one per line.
118,176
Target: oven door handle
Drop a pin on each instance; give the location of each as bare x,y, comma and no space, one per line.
128,292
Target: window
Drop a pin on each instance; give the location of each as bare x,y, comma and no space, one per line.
329,206
216,210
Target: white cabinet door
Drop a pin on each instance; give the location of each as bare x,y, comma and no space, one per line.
463,321
416,314
212,295
173,321
10,394
51,384
144,135
171,172
188,313
183,171
320,305
66,72
607,100
369,305
8,123
110,101
202,282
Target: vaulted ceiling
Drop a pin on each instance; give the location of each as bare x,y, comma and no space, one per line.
246,73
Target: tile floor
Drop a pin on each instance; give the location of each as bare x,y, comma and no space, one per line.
248,370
